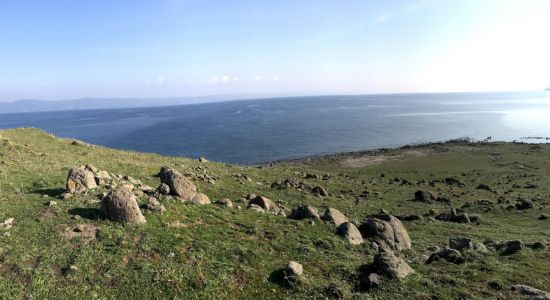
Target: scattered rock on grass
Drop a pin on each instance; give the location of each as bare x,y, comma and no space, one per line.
389,264
178,184
304,212
334,216
388,230
262,202
532,292
293,270
153,204
319,191
351,233
80,179
448,254
121,205
225,202
200,199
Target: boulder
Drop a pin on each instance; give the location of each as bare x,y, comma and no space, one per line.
262,202
256,208
163,189
373,281
513,247
334,216
121,205
389,264
351,233
522,204
320,191
460,244
448,254
425,196
80,179
225,202
200,199
304,212
294,269
532,292
386,229
456,216
179,185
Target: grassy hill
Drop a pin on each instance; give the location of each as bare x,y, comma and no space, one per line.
192,251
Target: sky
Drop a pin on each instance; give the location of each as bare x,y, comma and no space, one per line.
64,49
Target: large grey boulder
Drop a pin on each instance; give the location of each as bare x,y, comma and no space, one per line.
386,229
392,266
304,212
179,185
80,179
334,216
121,205
351,233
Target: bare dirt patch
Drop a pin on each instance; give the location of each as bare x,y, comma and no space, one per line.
87,232
371,160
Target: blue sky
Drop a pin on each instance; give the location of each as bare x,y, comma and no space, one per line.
121,48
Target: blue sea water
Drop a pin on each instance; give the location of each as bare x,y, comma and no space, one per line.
254,131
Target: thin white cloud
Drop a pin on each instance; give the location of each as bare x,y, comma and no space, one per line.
416,6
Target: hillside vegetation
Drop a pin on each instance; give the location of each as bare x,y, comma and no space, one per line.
64,247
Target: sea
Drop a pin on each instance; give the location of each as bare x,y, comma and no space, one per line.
254,131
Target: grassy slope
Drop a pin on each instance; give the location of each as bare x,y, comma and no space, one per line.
231,253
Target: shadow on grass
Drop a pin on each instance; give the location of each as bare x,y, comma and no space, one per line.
87,213
53,192
280,277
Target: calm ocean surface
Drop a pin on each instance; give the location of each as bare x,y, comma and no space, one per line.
270,129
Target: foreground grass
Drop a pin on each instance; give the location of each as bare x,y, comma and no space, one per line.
231,253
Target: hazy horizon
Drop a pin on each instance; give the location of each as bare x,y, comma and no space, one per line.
59,50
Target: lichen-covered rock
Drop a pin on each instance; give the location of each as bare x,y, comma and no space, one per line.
386,229
121,205
80,179
334,216
179,185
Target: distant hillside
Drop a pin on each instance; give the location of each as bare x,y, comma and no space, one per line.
29,105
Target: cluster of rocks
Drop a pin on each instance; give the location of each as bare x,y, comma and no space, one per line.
179,187
291,183
85,178
120,203
428,196
459,215
201,175
264,204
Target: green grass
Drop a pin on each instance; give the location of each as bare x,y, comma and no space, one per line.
231,253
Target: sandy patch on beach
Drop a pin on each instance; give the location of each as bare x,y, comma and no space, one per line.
371,160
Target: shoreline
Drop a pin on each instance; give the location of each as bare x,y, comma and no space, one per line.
317,158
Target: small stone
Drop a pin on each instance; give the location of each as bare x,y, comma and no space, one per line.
373,281
225,202
294,269
50,203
